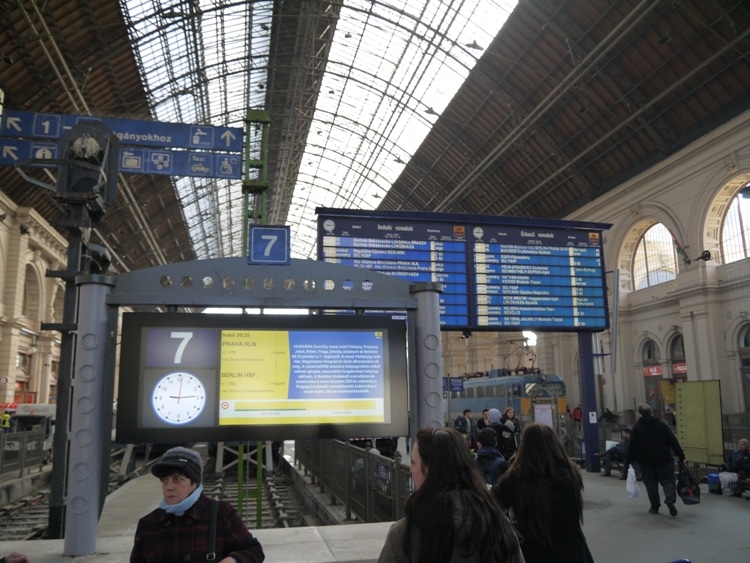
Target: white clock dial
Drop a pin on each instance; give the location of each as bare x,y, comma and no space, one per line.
178,398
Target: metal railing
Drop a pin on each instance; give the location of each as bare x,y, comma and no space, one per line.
734,427
375,488
371,486
20,452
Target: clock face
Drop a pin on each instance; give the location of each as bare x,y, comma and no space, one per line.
178,398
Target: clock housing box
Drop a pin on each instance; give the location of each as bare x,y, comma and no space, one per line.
265,377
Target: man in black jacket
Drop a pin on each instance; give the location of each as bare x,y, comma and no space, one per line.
652,444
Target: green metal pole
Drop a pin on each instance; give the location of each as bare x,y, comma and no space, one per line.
258,188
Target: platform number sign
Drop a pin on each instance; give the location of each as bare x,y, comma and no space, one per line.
268,245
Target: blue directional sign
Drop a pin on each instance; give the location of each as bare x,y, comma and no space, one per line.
24,124
132,160
268,245
180,163
13,151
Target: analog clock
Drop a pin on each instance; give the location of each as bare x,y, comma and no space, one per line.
178,398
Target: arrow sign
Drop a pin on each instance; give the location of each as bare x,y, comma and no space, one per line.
129,131
13,151
133,160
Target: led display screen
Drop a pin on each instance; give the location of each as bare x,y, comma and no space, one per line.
498,273
194,377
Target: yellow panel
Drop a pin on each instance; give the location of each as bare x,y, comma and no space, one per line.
351,404
525,405
280,420
698,412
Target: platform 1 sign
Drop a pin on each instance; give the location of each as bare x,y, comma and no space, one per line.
132,160
24,124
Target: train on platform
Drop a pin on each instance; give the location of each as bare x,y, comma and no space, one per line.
534,396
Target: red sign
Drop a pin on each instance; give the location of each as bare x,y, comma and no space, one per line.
651,371
679,368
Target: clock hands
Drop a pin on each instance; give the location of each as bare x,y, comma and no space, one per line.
179,391
174,407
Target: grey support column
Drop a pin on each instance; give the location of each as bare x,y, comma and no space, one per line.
429,357
87,417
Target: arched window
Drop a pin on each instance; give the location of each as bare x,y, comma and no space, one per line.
735,233
677,349
655,258
650,352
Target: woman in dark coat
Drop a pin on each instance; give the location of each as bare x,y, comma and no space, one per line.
543,491
451,516
179,529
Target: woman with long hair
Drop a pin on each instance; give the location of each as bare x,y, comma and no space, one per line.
543,490
451,516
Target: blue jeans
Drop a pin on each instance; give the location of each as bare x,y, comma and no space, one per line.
611,454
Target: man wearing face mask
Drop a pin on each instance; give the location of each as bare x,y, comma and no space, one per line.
180,529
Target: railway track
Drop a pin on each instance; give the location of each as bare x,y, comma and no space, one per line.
282,505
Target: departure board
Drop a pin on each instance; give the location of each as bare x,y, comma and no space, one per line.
497,272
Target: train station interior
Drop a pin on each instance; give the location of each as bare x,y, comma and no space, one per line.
629,116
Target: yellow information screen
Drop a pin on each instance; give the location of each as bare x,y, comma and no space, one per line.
298,376
236,377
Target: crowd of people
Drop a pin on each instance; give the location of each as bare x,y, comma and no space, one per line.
484,492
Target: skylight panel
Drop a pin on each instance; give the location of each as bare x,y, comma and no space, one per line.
390,62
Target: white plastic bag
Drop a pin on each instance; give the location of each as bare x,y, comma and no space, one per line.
631,485
728,480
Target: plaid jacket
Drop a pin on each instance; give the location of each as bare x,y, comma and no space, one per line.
163,537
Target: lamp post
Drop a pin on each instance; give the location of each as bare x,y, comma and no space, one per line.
87,185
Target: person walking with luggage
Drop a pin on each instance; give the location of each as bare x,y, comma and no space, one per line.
653,445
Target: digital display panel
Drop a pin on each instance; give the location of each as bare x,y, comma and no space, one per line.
191,377
497,272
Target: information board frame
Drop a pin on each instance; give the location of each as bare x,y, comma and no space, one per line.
160,363
499,273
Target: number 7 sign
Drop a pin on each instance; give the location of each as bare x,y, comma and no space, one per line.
268,245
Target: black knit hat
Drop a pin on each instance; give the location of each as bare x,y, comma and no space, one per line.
181,459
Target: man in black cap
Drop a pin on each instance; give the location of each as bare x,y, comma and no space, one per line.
180,529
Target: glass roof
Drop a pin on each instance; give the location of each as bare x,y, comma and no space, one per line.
392,69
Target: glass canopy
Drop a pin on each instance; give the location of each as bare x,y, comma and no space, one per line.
392,69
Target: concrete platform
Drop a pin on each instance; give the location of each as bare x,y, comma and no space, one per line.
618,529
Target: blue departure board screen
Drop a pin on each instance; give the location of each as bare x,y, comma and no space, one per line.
497,272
